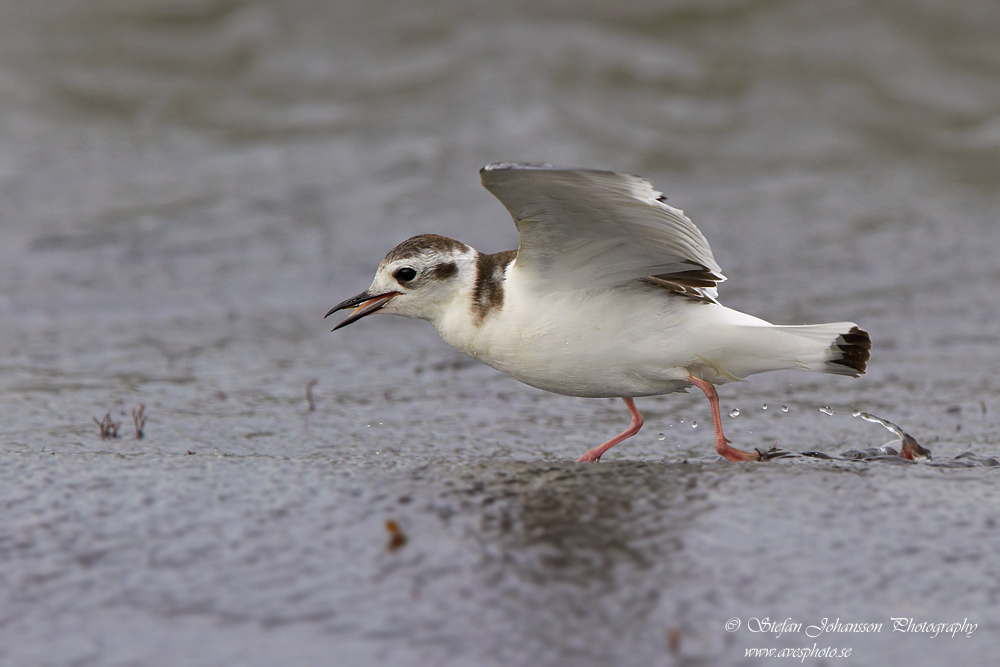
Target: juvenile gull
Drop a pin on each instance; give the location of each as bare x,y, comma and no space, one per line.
612,293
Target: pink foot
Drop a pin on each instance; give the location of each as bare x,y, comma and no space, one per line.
594,455
721,444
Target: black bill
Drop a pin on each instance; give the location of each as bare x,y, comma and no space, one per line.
363,304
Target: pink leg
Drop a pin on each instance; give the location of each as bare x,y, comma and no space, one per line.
721,444
594,455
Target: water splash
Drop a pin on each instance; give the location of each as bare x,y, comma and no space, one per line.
910,448
892,428
826,410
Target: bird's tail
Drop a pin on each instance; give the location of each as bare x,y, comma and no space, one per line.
840,348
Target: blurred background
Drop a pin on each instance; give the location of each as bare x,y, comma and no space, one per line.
187,186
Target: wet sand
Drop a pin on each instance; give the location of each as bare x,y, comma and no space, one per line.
187,187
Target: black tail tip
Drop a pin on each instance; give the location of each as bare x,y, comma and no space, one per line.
852,350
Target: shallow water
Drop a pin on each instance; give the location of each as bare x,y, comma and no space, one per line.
187,187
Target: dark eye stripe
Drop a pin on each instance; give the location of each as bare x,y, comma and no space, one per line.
445,270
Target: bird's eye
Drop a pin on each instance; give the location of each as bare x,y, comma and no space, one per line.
405,274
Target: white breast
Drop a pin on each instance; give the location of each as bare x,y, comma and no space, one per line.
598,343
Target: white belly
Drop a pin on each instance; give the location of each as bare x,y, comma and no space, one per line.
611,343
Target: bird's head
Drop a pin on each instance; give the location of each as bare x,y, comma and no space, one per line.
418,278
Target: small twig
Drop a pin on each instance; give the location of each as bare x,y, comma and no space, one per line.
396,536
109,428
139,421
674,640
309,394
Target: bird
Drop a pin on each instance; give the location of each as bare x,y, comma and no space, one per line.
611,293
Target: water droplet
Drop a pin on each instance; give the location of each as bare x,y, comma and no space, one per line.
764,407
826,410
694,423
856,413
784,408
661,437
682,421
670,425
734,413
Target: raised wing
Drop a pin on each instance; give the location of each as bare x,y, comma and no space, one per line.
587,228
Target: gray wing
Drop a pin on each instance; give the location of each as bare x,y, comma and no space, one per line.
587,228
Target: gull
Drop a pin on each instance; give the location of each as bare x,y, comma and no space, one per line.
611,293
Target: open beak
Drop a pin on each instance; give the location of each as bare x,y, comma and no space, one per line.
363,304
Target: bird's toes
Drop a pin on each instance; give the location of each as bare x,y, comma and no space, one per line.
773,453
